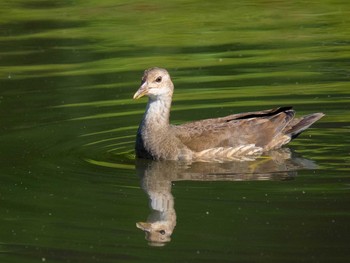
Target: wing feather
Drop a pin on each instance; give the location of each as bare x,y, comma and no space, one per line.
258,128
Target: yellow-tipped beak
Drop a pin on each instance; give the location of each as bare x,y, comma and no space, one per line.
145,226
142,91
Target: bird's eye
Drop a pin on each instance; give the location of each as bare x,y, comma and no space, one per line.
162,232
159,79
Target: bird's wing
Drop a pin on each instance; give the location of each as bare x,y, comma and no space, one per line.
258,128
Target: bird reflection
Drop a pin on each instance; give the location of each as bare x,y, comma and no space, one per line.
157,177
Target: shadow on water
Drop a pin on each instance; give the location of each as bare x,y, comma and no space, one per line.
157,178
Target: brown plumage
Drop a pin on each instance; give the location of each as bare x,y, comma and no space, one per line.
238,136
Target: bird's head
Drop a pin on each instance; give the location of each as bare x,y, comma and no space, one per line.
155,83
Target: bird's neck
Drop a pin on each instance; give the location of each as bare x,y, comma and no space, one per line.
157,113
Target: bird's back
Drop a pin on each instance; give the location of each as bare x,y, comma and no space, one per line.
262,128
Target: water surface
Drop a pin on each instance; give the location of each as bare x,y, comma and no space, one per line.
71,189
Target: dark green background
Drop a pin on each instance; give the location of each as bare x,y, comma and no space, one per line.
68,70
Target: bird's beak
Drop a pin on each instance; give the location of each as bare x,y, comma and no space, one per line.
141,91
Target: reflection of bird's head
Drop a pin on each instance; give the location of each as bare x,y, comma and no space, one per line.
157,233
155,83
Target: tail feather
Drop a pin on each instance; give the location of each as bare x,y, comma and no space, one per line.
302,124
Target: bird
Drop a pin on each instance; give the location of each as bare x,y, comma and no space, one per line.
241,136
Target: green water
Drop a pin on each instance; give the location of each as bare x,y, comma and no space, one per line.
70,189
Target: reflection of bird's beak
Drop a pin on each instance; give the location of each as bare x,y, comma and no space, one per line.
141,91
144,226
152,235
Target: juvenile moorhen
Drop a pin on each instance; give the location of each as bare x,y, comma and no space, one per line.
236,136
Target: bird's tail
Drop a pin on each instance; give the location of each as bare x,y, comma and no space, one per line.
302,124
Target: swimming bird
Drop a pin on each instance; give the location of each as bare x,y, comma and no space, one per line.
238,136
